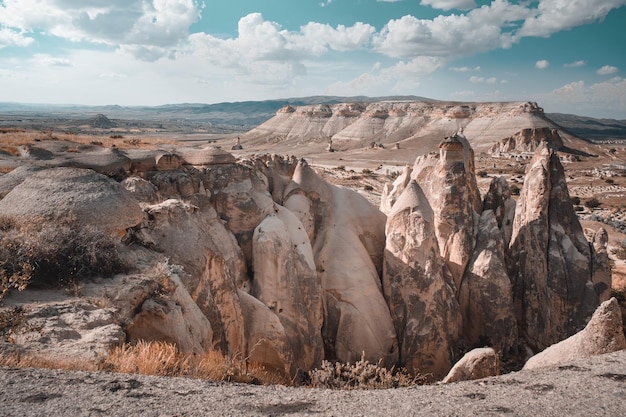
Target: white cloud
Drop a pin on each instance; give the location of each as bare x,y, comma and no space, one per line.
552,16
607,70
479,30
449,4
138,25
542,64
575,64
482,80
262,45
464,69
605,99
10,37
46,60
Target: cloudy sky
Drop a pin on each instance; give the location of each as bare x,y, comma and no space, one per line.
568,55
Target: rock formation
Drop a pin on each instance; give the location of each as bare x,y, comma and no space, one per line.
348,241
527,141
601,267
263,259
549,260
422,301
355,125
603,334
476,364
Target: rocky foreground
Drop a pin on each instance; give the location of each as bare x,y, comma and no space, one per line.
592,387
263,259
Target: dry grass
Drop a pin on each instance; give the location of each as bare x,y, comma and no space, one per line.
16,360
164,359
11,138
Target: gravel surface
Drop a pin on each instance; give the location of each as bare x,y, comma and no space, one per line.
591,387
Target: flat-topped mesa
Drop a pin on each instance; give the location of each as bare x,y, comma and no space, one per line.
354,125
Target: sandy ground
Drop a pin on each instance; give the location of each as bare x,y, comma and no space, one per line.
591,387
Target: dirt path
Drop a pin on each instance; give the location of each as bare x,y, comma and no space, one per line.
592,387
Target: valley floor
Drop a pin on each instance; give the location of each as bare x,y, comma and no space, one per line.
591,387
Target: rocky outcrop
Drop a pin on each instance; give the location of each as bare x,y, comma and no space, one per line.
485,295
603,334
269,262
348,241
79,195
450,187
286,281
549,260
601,266
527,141
476,364
422,303
355,125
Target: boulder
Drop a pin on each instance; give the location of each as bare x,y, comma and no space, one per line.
423,306
603,334
476,364
168,161
108,161
80,195
549,259
209,155
142,190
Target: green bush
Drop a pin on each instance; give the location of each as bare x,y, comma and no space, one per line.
56,253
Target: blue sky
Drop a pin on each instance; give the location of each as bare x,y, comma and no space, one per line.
568,55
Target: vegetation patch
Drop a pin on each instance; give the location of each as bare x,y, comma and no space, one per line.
56,253
362,375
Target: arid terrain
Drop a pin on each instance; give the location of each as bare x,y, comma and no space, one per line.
363,147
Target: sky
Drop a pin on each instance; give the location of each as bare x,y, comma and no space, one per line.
567,55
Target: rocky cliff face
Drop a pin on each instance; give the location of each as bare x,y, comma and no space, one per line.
265,260
353,125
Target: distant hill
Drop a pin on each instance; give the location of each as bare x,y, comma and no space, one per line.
245,115
595,130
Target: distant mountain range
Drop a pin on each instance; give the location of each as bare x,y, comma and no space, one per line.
248,114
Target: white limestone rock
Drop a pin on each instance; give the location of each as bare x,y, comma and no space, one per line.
476,364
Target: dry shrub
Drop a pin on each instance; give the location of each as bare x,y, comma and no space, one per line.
53,253
361,375
17,360
165,359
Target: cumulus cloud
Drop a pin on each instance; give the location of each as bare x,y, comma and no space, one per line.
479,30
542,64
552,16
10,37
575,64
46,60
607,70
264,44
138,25
449,4
605,99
